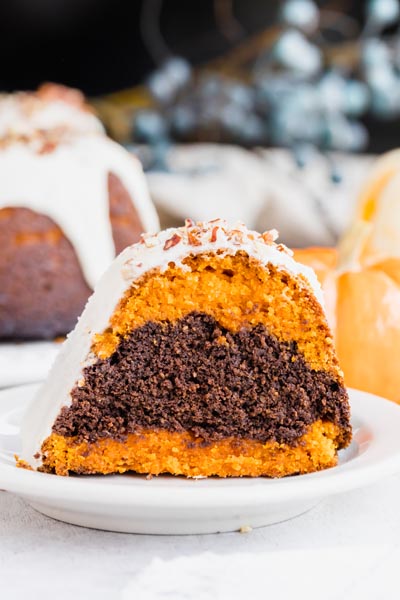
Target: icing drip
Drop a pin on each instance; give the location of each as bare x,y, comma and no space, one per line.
69,184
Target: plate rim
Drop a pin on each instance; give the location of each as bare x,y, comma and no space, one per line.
24,374
210,492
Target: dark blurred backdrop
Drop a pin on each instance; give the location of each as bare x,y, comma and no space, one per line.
98,46
102,46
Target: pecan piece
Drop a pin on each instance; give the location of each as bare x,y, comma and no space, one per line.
193,238
172,241
214,231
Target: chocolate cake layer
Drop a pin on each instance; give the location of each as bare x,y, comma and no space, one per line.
193,375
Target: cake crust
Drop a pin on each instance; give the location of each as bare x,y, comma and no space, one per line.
37,265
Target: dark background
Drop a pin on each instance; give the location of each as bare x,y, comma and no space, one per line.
97,45
101,46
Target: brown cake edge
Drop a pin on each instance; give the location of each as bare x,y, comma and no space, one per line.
41,279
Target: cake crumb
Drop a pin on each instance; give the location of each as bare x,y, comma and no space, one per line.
22,464
245,529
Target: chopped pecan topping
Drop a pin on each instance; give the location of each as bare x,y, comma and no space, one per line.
193,238
47,147
214,231
172,241
236,237
267,237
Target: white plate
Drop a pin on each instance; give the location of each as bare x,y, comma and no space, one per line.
26,362
172,505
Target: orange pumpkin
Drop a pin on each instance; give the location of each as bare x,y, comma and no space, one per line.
361,283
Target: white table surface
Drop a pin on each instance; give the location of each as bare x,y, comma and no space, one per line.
348,547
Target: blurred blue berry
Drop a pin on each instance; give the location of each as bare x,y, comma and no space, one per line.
210,85
339,94
384,85
303,154
178,70
305,97
162,88
149,126
356,98
336,176
396,53
183,120
358,139
272,89
253,130
383,12
240,94
232,118
303,14
385,100
343,134
384,77
289,125
332,88
295,52
159,152
375,53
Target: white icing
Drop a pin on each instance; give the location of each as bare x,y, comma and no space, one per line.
130,265
69,184
26,114
151,254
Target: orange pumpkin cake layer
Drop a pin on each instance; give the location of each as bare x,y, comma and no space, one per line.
238,292
158,452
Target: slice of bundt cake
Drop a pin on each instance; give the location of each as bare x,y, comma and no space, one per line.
70,200
203,351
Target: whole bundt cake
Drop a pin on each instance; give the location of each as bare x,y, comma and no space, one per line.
70,200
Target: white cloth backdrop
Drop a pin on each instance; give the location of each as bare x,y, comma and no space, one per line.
263,188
